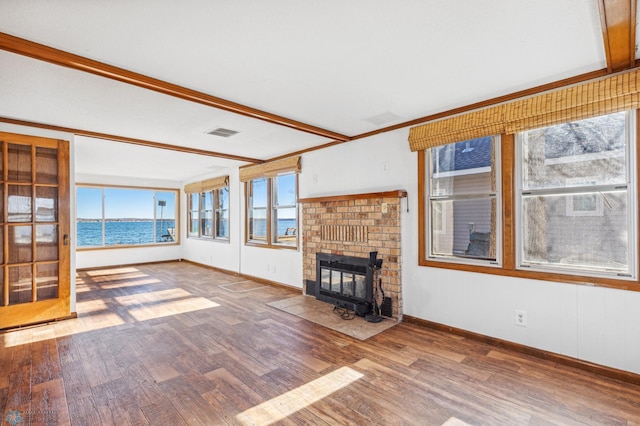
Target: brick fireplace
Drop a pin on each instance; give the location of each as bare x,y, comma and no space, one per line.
355,225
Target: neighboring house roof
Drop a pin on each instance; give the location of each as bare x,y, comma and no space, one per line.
471,154
604,134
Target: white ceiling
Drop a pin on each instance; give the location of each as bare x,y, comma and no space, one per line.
334,64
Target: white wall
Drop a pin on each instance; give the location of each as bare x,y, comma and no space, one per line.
219,254
280,265
594,324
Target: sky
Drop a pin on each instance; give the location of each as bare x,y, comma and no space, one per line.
124,203
286,195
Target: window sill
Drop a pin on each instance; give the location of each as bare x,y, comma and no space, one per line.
127,246
464,261
270,246
618,283
215,240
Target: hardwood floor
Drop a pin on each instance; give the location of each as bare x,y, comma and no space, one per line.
173,343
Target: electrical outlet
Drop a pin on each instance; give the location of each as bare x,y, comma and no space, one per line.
521,317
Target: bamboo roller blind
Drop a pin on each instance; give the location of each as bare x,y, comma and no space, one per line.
605,96
270,169
207,185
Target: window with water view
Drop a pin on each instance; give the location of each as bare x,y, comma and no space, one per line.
272,210
108,217
208,214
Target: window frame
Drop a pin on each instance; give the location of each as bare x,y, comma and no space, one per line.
193,215
206,213
508,268
218,214
271,237
202,211
480,195
575,186
155,219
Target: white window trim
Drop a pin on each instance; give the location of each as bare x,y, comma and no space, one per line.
190,210
270,213
443,221
496,194
199,235
632,205
217,213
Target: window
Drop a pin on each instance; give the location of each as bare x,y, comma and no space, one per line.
193,219
576,204
272,213
463,202
208,213
257,210
566,211
222,213
271,191
568,177
110,217
285,209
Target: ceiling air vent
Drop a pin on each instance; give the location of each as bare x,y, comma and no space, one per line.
223,133
384,118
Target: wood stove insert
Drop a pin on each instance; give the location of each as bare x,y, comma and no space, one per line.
347,281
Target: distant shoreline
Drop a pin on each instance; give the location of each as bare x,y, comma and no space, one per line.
122,220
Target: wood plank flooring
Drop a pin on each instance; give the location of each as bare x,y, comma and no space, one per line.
169,344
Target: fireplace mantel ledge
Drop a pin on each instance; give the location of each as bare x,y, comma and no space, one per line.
399,193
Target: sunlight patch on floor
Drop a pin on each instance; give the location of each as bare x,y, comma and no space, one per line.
129,283
168,308
60,329
17,337
111,271
453,421
82,288
94,314
152,297
88,306
280,407
241,286
99,280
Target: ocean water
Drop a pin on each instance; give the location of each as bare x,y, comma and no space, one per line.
260,226
132,233
122,233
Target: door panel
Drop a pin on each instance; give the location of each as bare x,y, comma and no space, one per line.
34,229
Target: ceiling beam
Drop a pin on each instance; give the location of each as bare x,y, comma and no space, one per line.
41,52
124,139
618,20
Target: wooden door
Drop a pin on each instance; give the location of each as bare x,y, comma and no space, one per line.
34,230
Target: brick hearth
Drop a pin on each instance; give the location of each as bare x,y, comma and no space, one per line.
354,225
